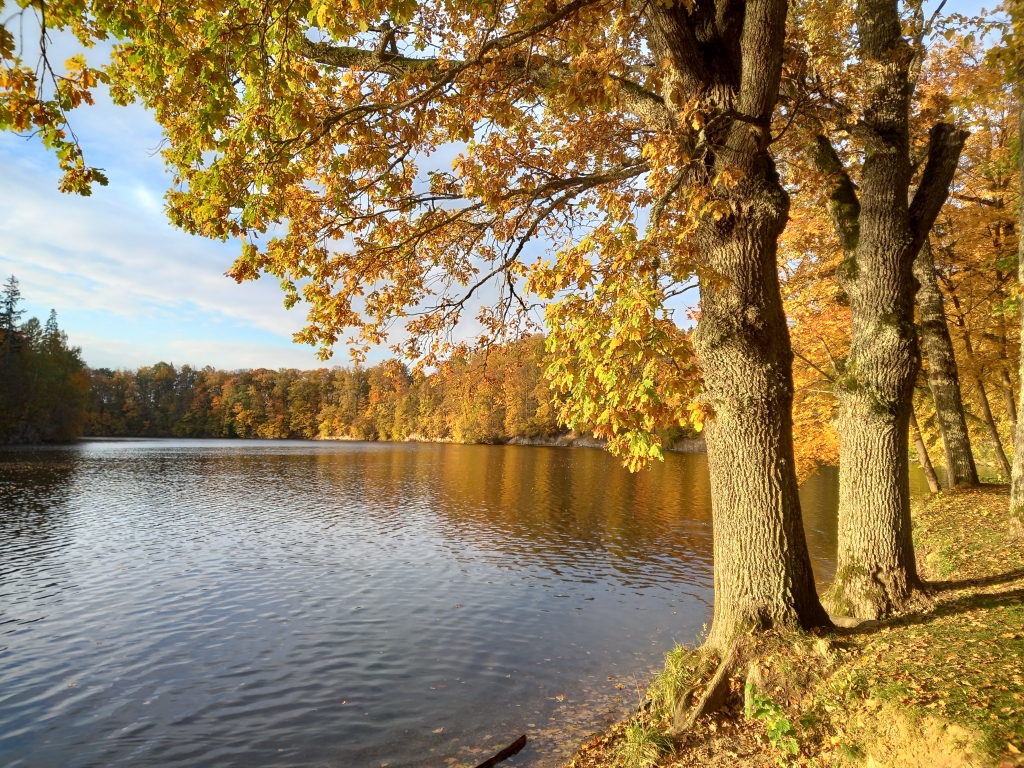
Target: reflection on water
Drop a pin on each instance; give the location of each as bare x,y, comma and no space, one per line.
284,604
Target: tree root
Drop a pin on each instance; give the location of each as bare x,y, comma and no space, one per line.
715,695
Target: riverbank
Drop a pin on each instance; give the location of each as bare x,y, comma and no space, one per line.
942,687
564,440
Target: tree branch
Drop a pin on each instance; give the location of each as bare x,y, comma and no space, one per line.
944,147
543,72
827,376
843,204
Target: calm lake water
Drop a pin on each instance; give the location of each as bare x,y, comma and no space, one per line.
243,603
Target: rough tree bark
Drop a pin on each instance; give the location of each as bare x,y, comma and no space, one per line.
922,455
876,572
943,377
763,574
1017,476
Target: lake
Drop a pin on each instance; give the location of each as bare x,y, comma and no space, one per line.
285,603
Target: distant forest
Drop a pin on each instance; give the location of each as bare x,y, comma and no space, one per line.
44,384
48,394
487,397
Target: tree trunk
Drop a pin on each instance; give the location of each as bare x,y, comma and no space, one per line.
763,575
1017,476
876,572
990,424
974,378
943,378
1006,385
922,456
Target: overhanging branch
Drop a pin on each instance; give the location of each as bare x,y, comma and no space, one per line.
541,71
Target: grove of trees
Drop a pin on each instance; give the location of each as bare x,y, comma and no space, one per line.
840,180
43,381
485,398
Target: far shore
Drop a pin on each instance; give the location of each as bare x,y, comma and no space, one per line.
569,440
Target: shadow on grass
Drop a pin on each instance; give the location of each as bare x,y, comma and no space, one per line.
964,604
985,581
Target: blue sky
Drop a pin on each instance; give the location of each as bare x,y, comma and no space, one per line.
129,288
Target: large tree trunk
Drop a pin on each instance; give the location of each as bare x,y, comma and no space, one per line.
763,575
1017,476
876,573
875,570
943,378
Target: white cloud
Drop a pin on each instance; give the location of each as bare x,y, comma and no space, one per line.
129,288
106,352
115,252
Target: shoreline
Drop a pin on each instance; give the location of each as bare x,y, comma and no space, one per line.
567,440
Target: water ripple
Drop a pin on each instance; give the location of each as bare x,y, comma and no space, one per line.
232,603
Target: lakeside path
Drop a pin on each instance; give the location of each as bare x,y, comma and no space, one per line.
940,687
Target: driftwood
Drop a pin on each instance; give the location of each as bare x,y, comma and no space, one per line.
505,754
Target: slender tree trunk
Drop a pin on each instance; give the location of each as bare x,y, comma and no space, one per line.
763,575
1017,476
943,378
990,424
1006,385
974,379
922,456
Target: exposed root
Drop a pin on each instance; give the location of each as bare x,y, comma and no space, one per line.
713,698
941,687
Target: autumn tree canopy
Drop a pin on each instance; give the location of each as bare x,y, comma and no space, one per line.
399,166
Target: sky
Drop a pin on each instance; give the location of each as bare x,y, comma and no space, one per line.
129,288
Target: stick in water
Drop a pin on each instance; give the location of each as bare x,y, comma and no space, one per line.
505,754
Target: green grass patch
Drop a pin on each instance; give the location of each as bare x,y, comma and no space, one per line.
642,745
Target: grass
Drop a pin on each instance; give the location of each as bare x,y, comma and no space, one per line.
943,685
963,660
643,744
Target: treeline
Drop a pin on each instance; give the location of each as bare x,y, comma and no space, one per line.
43,381
490,396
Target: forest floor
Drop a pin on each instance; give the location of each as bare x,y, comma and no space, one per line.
943,687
